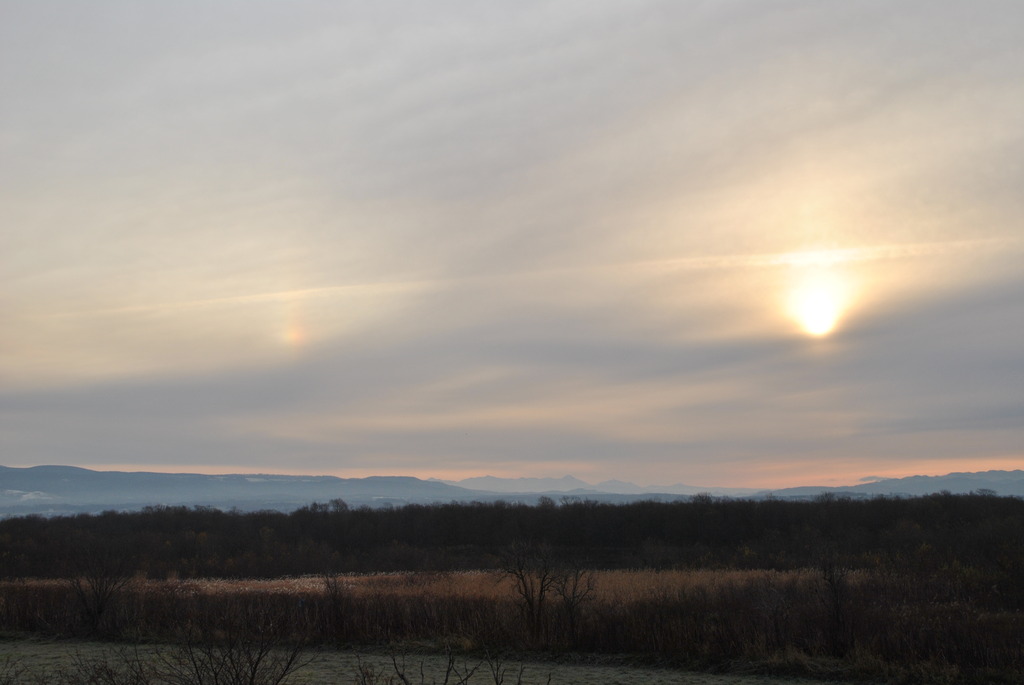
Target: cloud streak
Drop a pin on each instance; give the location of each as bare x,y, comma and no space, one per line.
827,257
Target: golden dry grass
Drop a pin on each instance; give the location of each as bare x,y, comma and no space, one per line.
618,586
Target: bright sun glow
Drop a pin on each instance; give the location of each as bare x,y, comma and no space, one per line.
818,302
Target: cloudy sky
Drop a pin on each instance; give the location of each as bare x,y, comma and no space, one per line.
730,242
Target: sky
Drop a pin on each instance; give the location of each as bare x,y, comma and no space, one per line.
723,243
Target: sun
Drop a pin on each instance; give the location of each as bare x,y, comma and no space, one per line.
817,311
818,302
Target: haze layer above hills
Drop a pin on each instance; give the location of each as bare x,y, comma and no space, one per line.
66,489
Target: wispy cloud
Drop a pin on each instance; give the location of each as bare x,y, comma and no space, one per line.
813,257
406,237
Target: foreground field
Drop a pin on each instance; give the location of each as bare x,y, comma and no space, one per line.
45,661
902,590
824,622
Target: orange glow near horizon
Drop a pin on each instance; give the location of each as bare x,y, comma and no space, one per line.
798,474
774,476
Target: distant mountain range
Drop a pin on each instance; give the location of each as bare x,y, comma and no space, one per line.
59,489
67,489
569,485
1007,483
1000,482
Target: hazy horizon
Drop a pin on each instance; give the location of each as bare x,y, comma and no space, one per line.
243,471
732,244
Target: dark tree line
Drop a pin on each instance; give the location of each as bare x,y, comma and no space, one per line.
925,534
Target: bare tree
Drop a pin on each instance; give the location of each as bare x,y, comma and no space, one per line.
250,650
337,601
574,585
453,675
534,576
834,597
97,575
11,671
123,666
498,669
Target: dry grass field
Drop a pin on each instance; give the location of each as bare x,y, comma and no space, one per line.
848,625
